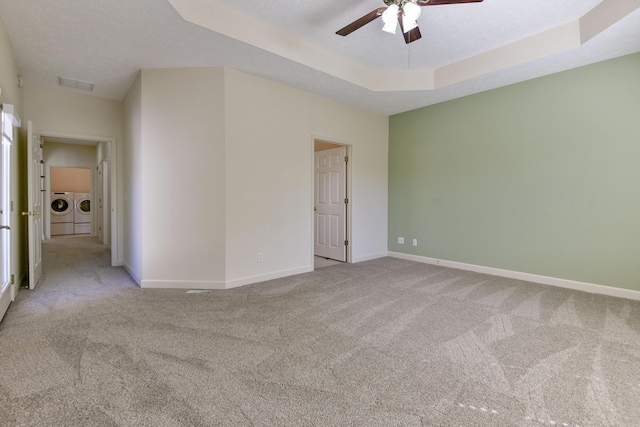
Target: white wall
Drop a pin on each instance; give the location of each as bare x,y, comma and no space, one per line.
223,164
182,177
269,159
62,112
131,176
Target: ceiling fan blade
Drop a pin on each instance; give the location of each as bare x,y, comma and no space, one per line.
439,2
412,35
361,22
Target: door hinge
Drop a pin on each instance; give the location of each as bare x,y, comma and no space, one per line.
346,159
346,243
346,201
13,279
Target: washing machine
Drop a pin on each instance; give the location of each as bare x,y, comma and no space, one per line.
62,207
82,213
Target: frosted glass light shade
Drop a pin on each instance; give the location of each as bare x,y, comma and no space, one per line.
390,19
410,15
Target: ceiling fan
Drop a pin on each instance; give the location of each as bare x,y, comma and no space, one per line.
405,12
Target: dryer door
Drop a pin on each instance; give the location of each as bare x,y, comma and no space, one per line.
84,206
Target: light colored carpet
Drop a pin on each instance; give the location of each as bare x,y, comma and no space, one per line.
320,262
381,343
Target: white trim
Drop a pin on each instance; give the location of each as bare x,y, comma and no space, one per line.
268,276
182,284
536,278
369,257
217,284
128,269
350,193
10,111
5,301
117,258
16,286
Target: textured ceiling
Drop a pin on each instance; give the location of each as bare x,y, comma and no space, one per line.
464,48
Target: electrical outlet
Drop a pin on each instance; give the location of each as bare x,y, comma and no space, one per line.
260,257
401,240
415,242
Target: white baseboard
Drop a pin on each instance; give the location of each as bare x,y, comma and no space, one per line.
369,257
5,301
182,284
128,269
220,284
234,283
15,288
545,280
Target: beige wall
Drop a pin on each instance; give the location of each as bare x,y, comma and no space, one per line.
269,159
69,114
68,156
11,93
55,110
182,179
221,164
75,180
132,181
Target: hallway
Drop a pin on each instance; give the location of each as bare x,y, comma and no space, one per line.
76,264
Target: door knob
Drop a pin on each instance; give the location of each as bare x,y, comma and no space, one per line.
5,227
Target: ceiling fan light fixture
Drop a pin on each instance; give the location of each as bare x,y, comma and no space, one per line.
390,19
410,15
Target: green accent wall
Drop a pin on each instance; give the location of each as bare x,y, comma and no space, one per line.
540,177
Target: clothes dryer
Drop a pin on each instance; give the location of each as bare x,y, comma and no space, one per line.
62,207
82,213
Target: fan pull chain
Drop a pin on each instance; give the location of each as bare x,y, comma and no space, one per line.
409,55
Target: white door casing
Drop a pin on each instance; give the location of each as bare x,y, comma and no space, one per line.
106,202
35,171
5,212
330,203
97,191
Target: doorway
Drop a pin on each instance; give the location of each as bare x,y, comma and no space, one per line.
331,219
98,155
75,185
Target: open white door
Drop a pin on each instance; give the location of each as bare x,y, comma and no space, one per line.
35,170
330,203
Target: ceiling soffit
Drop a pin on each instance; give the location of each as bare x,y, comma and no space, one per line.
224,20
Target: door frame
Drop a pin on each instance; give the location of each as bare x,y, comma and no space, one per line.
349,177
116,258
